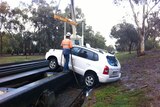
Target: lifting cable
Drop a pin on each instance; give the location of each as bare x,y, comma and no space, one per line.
73,70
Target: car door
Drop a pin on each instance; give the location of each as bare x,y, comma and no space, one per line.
74,55
82,59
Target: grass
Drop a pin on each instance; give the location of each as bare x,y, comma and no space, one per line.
12,59
124,56
115,95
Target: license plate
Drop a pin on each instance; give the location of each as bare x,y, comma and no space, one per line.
115,73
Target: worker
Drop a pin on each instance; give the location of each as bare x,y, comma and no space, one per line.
67,45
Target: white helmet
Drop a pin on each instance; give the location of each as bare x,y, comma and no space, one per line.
68,34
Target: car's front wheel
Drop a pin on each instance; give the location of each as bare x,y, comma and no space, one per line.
90,80
53,64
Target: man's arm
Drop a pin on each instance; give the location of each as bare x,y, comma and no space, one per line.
70,44
62,43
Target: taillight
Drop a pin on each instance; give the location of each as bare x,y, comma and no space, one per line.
106,70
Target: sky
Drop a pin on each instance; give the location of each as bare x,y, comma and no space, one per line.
102,15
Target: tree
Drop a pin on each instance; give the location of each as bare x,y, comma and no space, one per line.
4,9
95,40
153,28
15,27
89,35
126,35
146,7
46,28
29,26
110,48
99,41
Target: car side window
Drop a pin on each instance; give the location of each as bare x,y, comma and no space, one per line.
75,51
95,57
83,53
88,55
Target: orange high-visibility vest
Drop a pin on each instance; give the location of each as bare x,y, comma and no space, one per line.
66,44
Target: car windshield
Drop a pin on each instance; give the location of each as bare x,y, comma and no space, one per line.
112,60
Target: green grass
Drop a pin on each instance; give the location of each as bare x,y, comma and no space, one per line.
12,59
124,56
115,96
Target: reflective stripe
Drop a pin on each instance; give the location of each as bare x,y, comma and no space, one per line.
66,43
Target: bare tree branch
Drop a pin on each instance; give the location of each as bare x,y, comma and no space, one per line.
134,14
152,7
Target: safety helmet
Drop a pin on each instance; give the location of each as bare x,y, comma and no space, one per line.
68,34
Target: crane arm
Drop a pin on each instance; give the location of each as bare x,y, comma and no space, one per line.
64,19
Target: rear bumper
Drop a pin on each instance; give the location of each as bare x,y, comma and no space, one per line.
106,78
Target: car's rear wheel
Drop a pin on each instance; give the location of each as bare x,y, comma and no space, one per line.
53,64
90,80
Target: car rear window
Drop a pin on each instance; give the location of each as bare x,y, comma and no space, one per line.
112,60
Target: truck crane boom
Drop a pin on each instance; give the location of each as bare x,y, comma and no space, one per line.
75,39
64,19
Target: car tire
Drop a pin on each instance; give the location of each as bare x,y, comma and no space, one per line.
90,80
53,64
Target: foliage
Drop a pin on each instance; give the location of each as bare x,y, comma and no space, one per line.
110,48
95,40
126,35
141,10
4,10
32,29
153,30
6,44
151,44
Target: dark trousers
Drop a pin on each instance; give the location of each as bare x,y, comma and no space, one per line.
66,56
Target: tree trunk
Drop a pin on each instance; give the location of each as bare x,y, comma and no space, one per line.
141,44
130,48
40,49
1,43
25,49
142,35
30,47
141,30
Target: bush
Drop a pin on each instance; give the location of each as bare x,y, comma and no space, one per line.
150,44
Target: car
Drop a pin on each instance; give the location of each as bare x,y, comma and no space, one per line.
95,65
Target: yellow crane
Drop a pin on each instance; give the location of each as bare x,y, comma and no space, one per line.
64,19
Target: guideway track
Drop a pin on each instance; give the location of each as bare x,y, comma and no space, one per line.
26,88
28,94
24,76
14,68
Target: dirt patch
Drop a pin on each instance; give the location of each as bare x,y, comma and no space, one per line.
144,73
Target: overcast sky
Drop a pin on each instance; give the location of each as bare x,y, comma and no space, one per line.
100,14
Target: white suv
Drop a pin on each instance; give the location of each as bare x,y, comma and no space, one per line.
95,65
